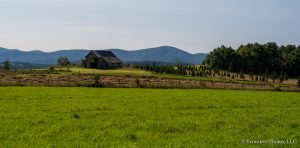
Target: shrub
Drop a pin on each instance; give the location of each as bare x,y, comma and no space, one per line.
97,78
51,68
276,88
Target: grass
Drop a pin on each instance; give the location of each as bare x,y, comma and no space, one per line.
135,72
114,72
143,73
90,117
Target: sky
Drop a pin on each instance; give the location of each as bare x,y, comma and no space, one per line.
196,26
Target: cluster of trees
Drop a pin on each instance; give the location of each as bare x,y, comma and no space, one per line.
206,71
202,70
264,59
63,61
192,70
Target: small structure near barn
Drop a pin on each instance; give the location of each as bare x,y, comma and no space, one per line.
101,59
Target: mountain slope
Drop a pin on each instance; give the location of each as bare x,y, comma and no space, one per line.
40,57
160,54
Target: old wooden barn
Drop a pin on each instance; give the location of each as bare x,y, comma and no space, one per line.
101,59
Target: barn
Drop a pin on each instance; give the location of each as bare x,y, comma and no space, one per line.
102,59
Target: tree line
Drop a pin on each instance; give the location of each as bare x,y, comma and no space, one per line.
206,71
265,59
179,69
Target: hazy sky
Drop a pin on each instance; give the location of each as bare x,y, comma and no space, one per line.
192,25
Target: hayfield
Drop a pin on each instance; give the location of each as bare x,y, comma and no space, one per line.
134,72
93,117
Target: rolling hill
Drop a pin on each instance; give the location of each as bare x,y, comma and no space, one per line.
166,54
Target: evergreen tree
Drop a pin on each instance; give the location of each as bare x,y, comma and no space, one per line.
6,65
285,77
281,77
267,73
230,68
228,75
273,76
193,72
242,74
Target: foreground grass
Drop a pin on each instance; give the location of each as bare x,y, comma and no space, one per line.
88,117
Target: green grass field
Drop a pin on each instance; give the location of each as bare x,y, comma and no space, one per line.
92,117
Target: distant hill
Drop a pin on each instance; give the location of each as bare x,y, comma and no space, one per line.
161,54
165,54
39,57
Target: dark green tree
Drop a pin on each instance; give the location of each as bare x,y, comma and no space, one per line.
231,68
242,76
267,73
6,65
281,77
274,76
285,76
257,58
220,58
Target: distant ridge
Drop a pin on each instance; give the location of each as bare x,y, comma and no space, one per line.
166,54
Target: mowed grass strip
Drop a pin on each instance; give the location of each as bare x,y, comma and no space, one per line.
113,72
137,73
92,117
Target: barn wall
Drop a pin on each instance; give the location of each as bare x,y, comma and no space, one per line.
102,63
90,59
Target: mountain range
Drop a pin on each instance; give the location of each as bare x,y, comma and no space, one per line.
166,54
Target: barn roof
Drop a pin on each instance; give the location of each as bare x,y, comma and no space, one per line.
104,53
112,59
108,56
